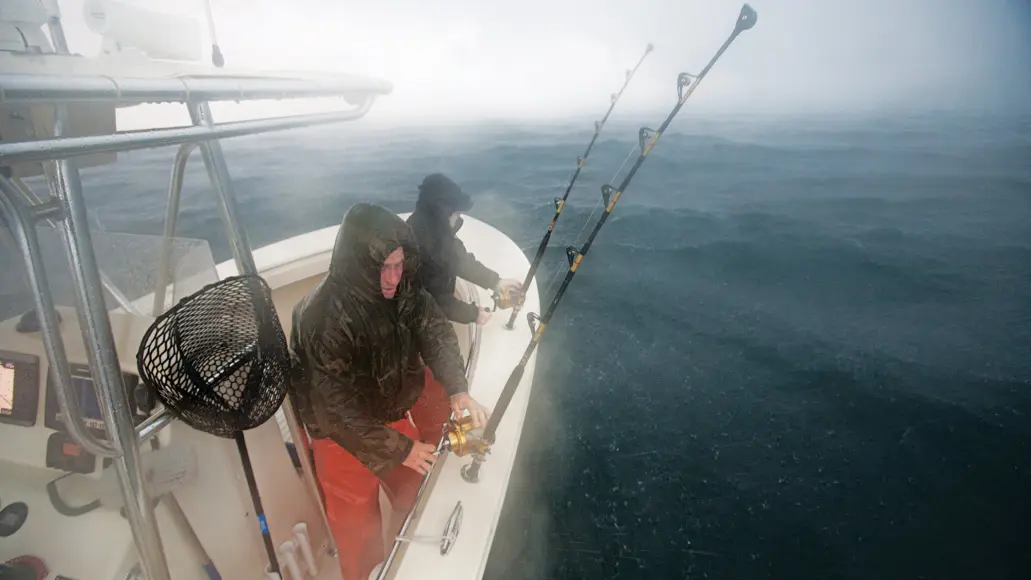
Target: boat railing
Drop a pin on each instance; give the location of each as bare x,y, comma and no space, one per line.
32,199
203,130
67,210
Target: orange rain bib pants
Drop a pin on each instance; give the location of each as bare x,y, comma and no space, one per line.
351,491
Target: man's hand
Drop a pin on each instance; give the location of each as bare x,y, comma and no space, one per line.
421,457
463,401
483,317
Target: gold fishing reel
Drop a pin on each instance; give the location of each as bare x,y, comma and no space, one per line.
461,438
505,298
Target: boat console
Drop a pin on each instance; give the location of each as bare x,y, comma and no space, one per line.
51,487
31,420
57,498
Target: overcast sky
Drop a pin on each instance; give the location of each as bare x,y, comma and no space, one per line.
554,58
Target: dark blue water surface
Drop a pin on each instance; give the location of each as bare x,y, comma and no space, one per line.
797,350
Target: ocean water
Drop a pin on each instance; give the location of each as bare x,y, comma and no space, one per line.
798,349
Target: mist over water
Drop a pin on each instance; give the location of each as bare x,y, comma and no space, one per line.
461,60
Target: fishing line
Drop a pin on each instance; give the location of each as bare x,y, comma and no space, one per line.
560,202
494,217
576,241
597,204
622,165
647,138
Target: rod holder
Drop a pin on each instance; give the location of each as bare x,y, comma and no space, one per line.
304,543
471,472
287,551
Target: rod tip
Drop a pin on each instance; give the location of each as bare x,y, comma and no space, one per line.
746,19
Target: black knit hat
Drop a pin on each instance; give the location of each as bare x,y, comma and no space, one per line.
439,191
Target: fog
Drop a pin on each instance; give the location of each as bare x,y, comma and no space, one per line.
463,59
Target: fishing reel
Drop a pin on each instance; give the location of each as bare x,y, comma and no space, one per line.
461,438
505,299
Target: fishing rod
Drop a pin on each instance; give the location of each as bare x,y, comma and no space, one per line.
462,439
560,202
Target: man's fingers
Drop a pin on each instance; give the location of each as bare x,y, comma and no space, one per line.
478,412
426,465
484,412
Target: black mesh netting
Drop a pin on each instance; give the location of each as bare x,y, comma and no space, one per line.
218,359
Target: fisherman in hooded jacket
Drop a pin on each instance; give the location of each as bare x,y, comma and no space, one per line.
359,341
443,257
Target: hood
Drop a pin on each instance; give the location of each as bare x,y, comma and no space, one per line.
440,196
368,234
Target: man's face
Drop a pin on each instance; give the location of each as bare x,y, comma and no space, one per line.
390,274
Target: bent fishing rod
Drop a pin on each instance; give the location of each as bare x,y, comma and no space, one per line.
560,202
461,438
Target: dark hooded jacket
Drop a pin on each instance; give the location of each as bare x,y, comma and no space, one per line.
443,256
356,355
